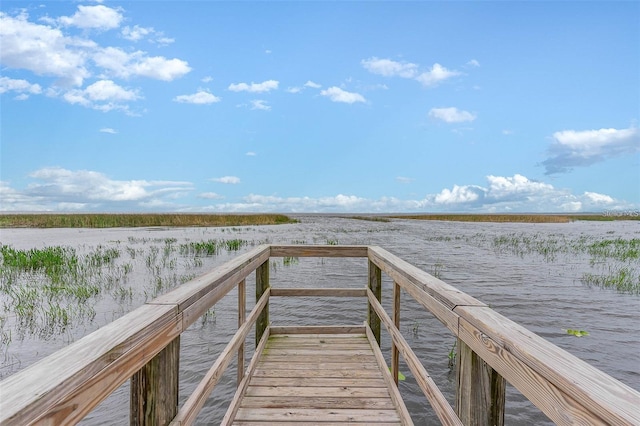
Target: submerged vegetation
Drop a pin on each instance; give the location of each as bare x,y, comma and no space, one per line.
44,292
137,220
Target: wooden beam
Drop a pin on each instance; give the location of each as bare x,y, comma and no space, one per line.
375,287
318,329
392,385
435,295
480,394
318,251
567,389
154,388
242,386
262,285
438,402
326,292
189,411
63,387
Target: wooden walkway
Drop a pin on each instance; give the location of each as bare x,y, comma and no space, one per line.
328,378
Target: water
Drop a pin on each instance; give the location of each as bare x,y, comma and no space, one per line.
542,294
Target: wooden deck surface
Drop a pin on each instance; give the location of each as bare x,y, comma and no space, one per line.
320,378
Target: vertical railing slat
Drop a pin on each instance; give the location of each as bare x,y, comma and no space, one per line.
262,283
375,285
480,397
154,388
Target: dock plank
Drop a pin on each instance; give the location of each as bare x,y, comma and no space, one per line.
317,379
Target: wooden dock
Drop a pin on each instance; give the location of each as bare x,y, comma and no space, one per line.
314,374
329,378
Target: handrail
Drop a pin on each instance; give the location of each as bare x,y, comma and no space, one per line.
63,387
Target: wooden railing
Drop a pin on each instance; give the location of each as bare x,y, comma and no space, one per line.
144,346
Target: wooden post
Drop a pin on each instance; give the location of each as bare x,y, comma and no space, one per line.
480,395
154,388
262,283
396,322
375,284
242,306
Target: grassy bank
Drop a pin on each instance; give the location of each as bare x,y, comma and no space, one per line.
521,218
136,220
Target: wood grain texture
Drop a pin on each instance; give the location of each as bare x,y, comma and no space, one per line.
435,295
327,292
262,286
326,385
189,411
63,387
480,393
154,388
439,403
567,389
318,251
375,288
234,406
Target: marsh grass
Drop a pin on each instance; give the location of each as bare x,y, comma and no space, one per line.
522,218
617,258
137,220
46,291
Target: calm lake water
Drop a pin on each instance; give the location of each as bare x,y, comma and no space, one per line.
541,291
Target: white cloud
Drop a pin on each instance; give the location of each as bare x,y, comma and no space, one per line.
99,17
201,97
599,198
336,94
46,50
207,79
451,115
136,33
55,188
251,154
473,63
60,189
294,89
312,85
42,50
460,195
436,75
121,64
103,95
582,148
232,180
108,130
210,196
265,86
260,105
20,86
389,68
507,132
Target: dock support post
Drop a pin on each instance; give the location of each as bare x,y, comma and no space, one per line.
154,388
262,283
375,285
480,395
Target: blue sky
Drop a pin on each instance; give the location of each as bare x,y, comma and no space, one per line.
201,106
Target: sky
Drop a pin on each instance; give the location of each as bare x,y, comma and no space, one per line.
276,106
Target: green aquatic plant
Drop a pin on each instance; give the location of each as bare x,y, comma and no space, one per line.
452,356
621,279
577,333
